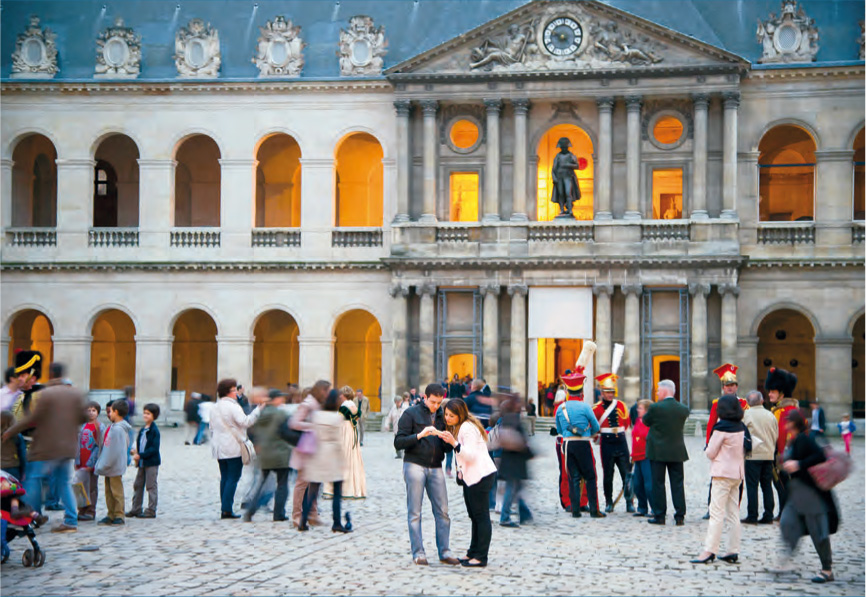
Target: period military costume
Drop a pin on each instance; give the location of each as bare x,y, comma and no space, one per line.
613,419
784,382
27,361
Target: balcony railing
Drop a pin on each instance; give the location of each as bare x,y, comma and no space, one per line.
195,237
276,237
31,237
356,237
786,233
857,230
112,237
664,231
457,234
561,232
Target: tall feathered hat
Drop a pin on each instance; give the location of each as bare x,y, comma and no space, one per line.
574,381
28,361
727,373
782,381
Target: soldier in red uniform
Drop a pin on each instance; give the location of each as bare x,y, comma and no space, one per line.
612,416
780,385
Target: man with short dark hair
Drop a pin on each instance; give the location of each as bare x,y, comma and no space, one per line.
759,464
667,451
480,404
818,422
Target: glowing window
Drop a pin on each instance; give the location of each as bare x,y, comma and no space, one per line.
787,175
464,197
581,146
859,178
668,130
464,134
667,193
360,174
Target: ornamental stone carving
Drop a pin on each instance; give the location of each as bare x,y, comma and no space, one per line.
613,44
35,55
362,46
789,37
280,49
197,50
118,52
516,46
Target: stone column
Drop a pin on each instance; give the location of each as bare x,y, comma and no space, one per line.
699,157
747,360
518,294
729,293
430,142
833,179
74,352
153,370
699,292
605,160
729,156
74,203
632,158
490,335
491,168
6,194
630,370
399,337
427,325
155,204
235,358
404,159
317,205
237,193
316,359
519,167
833,375
603,326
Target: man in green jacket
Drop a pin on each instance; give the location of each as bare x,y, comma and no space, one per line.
666,451
273,453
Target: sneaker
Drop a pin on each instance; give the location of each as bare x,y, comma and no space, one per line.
63,528
106,520
118,520
510,524
54,507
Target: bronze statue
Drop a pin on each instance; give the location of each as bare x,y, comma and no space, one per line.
565,188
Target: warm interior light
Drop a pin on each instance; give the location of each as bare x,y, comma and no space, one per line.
787,175
581,146
668,130
464,197
667,193
464,134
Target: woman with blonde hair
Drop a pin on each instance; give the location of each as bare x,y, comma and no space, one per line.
354,478
475,472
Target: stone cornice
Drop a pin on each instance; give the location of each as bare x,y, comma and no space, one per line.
198,86
192,267
804,263
478,263
812,72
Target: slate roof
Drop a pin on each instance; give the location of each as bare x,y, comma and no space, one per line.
411,27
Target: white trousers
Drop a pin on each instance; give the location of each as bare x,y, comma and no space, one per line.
724,506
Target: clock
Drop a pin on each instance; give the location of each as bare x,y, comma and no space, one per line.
562,36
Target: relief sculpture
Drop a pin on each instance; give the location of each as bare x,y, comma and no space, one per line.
506,50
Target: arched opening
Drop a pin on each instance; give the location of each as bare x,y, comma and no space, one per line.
31,330
194,353
34,183
581,147
787,175
112,351
275,350
115,183
858,356
197,183
786,339
358,354
359,190
278,183
859,178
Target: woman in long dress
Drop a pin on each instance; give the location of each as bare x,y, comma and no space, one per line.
354,478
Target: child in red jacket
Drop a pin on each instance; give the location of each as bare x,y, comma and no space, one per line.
641,476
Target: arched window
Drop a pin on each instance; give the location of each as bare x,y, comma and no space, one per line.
278,183
787,175
115,183
276,354
358,354
197,183
194,353
32,330
34,183
112,351
359,194
581,147
859,178
786,339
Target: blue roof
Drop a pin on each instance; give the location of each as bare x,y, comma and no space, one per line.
411,27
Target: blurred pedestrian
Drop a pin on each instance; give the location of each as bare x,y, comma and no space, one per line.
531,415
514,463
764,429
205,408
847,429
480,405
818,420
354,477
272,452
389,423
11,389
363,404
313,398
193,419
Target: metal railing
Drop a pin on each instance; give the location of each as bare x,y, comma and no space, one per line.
112,237
195,237
276,237
31,237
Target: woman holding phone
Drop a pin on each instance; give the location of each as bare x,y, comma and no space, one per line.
475,472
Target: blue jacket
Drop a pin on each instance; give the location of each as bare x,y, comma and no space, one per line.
581,416
150,456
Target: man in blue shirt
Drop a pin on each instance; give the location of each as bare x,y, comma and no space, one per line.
577,425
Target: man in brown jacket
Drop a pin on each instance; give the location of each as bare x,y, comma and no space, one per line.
55,419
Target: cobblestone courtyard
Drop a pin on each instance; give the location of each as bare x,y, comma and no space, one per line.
187,550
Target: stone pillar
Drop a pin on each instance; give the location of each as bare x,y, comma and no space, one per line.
631,358
729,293
237,202
632,158
427,325
490,335
603,326
519,167
747,360
74,352
316,359
404,161
6,194
699,158
699,292
155,204
235,358
74,203
518,294
833,376
491,168
399,338
532,374
833,178
317,205
604,164
153,370
729,156
431,139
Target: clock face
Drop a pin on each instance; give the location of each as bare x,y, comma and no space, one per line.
562,36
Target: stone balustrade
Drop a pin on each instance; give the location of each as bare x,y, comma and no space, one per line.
457,234
661,231
570,232
112,237
31,237
356,237
786,233
857,233
276,237
195,237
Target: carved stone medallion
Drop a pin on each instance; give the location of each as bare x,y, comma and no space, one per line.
362,46
118,52
280,51
35,55
197,50
789,37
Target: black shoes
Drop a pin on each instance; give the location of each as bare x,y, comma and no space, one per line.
229,515
608,508
340,529
576,514
629,507
731,558
766,520
471,564
656,520
706,516
749,521
597,514
705,560
680,522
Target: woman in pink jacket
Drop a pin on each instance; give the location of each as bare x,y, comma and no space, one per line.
727,449
475,472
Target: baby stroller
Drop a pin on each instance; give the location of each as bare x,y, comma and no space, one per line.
18,521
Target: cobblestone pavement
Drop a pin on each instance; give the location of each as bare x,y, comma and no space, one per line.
187,550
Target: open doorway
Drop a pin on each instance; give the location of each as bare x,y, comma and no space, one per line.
666,366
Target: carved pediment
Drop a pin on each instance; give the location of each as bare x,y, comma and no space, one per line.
35,54
118,52
565,36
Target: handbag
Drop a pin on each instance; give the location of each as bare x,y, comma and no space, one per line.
289,435
831,472
307,443
248,450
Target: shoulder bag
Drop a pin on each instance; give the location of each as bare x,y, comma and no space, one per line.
248,450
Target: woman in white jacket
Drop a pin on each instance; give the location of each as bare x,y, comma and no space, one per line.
476,472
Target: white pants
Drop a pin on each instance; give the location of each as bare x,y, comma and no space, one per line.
724,505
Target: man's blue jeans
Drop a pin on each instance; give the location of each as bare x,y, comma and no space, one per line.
418,480
512,492
200,437
59,473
